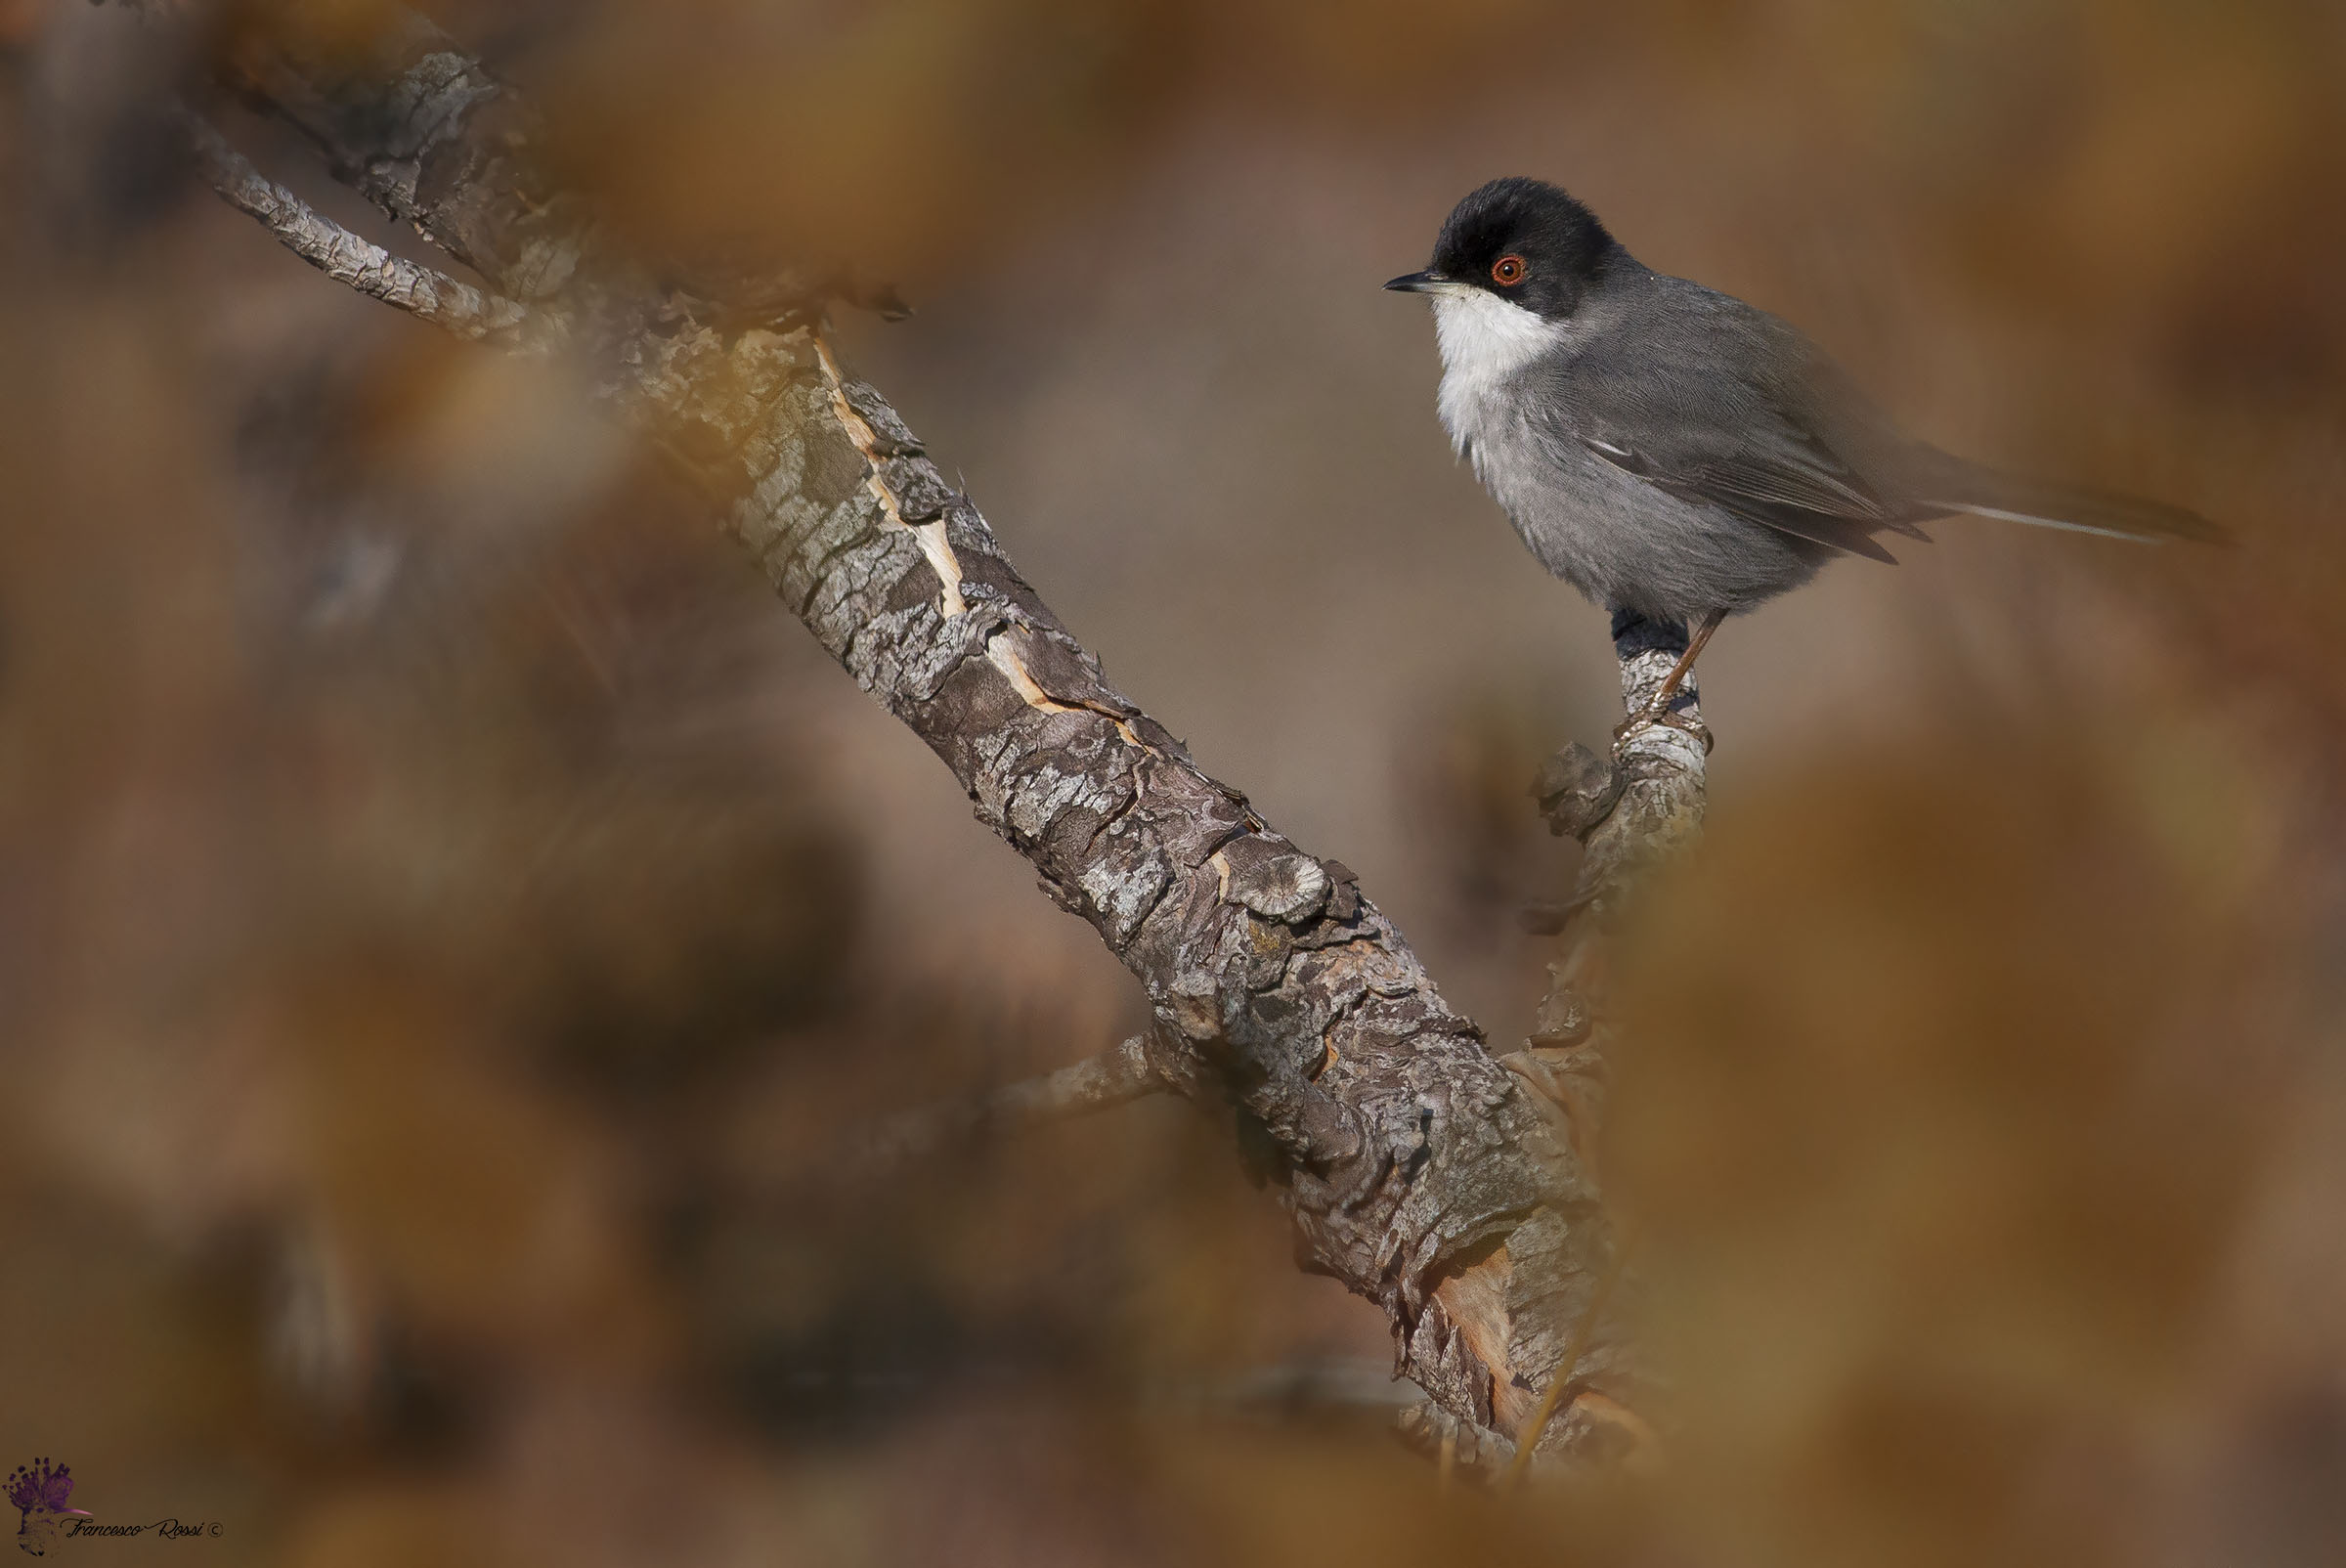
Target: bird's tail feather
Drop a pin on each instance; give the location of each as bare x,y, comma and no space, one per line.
1958,486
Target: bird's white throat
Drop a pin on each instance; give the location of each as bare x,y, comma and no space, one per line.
1484,341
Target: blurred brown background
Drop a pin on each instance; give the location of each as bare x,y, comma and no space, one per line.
451,918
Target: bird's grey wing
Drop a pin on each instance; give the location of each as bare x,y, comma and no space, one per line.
1789,492
1717,402
1742,414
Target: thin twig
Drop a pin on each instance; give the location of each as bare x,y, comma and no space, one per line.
419,291
1112,1078
1536,1425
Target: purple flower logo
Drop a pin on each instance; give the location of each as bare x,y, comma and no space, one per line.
40,1493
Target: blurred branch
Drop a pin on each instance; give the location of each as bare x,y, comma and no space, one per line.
1456,1192
1463,1445
1534,1425
343,256
1100,1082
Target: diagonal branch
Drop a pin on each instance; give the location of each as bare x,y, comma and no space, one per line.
343,256
1437,1181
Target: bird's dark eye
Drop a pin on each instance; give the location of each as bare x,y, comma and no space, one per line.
1507,270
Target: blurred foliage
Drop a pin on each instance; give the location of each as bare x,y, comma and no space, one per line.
912,135
452,928
1962,1129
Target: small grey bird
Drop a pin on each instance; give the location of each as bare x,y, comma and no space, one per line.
1673,452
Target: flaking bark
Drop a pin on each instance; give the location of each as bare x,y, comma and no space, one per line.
355,263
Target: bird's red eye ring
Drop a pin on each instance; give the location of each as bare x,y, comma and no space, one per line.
1508,271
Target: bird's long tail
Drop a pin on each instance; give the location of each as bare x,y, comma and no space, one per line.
1958,486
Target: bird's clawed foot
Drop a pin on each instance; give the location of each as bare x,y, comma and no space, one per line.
1647,717
1658,707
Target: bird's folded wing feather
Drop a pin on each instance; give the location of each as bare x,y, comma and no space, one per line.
1743,432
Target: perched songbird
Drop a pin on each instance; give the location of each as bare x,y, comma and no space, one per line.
1675,453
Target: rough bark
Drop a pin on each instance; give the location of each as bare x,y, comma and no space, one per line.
444,301
1455,1190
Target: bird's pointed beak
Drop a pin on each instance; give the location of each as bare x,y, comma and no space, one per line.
1417,282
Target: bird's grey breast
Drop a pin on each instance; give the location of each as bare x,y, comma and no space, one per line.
1555,492
1508,401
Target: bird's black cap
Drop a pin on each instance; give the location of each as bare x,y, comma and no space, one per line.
1558,246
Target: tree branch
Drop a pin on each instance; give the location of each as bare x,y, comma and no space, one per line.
347,259
1457,1193
1632,812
